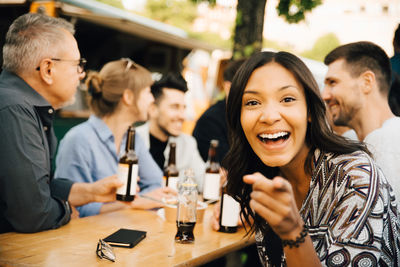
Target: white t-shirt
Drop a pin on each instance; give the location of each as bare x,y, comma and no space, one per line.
350,134
384,144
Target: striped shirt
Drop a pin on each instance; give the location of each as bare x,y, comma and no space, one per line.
350,211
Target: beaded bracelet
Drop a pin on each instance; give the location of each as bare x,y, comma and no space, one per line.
300,239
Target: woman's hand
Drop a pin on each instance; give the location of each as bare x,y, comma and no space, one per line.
215,217
158,194
223,173
142,203
274,201
162,193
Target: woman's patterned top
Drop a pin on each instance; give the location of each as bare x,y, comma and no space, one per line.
351,213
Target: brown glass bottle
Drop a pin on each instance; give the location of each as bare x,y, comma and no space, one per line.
128,169
171,173
211,186
229,213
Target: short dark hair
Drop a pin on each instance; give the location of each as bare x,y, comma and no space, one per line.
396,38
394,95
232,68
363,56
171,80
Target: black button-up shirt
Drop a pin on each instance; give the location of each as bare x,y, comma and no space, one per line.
30,200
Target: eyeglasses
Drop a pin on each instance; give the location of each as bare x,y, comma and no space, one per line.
80,63
104,250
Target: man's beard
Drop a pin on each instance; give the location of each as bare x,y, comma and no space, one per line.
72,100
69,102
165,131
342,119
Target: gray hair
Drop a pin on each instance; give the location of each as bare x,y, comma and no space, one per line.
30,39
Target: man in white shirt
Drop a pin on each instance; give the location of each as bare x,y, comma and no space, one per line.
167,115
356,91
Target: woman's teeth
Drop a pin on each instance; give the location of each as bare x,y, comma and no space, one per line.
274,135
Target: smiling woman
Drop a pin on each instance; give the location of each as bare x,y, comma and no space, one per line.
298,183
274,115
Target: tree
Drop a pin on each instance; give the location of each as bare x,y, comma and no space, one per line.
249,27
250,21
175,12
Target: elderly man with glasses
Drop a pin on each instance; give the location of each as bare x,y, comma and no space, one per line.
41,71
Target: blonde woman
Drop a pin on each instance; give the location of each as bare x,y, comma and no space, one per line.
119,95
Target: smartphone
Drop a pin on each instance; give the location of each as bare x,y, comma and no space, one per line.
127,238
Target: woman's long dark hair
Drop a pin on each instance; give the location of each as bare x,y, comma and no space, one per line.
241,159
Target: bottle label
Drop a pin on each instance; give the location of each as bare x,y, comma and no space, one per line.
211,186
173,182
230,211
123,176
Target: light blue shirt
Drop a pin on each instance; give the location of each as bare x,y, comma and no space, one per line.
87,153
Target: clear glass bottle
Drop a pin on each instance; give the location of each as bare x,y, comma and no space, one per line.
128,169
187,205
211,187
171,173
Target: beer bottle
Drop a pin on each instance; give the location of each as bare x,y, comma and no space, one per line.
128,169
186,210
229,213
212,177
171,173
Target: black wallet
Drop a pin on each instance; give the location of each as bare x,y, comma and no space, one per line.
127,238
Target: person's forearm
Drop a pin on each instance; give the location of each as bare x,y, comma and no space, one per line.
113,206
103,190
304,255
80,194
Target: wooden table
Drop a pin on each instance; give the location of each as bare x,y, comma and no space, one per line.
75,243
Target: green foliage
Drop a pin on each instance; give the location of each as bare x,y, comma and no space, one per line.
237,55
274,45
212,2
322,47
294,10
211,38
239,18
114,3
180,13
246,51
